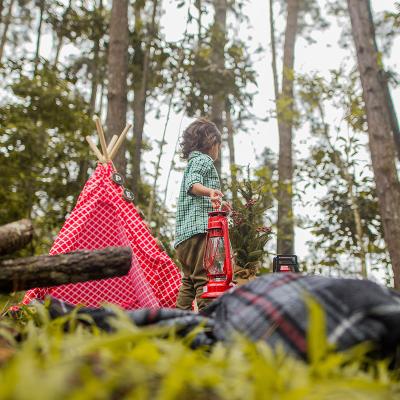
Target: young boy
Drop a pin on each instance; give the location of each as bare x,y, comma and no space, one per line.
200,193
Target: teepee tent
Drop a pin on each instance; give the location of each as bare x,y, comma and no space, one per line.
105,215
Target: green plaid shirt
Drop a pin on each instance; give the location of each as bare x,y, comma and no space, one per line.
192,211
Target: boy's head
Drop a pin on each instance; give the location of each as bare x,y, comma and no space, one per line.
201,135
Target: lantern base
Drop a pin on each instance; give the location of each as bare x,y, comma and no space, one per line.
215,289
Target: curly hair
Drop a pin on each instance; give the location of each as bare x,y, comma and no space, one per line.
200,135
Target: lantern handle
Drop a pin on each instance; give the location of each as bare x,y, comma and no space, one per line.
229,273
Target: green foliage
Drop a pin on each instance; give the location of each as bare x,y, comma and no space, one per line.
203,80
394,17
82,362
334,168
42,130
248,233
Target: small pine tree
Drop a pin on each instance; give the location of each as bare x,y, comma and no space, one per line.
249,233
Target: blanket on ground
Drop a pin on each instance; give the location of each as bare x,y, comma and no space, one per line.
274,308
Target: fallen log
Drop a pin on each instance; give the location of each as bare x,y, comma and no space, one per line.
15,236
79,266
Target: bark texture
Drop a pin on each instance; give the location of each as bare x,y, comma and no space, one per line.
231,147
15,236
140,95
381,142
218,40
7,21
117,76
80,266
285,243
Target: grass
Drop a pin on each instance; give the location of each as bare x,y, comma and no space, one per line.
39,359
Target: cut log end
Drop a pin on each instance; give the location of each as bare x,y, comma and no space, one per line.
15,236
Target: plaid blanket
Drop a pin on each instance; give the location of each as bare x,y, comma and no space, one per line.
273,308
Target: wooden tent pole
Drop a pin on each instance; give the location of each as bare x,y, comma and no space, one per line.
95,149
101,137
119,142
111,144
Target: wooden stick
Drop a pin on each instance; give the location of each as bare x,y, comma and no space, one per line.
101,137
79,266
120,140
95,149
111,144
15,236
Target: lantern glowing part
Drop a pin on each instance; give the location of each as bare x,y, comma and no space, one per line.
217,256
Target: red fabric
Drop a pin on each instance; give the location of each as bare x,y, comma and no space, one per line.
102,218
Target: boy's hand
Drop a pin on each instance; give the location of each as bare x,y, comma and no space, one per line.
216,198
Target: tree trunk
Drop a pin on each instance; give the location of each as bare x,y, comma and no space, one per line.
84,164
7,22
273,51
39,35
58,50
117,76
285,110
218,41
359,228
95,71
80,266
1,11
15,236
172,164
157,168
140,99
198,5
394,123
139,106
231,147
60,35
381,142
102,95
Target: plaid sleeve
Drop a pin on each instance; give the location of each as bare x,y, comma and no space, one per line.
198,169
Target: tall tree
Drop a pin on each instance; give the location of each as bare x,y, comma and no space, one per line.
61,28
98,33
1,9
231,146
41,5
140,85
7,21
285,113
381,142
218,41
117,75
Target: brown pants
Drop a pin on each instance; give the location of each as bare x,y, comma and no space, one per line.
190,254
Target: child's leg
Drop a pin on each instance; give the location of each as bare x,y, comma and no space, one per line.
199,276
186,293
190,254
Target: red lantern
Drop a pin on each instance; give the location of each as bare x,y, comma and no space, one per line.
217,256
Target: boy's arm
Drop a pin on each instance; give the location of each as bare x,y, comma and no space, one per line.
215,195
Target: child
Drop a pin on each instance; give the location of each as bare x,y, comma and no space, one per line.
199,194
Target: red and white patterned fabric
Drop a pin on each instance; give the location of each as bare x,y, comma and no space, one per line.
102,218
